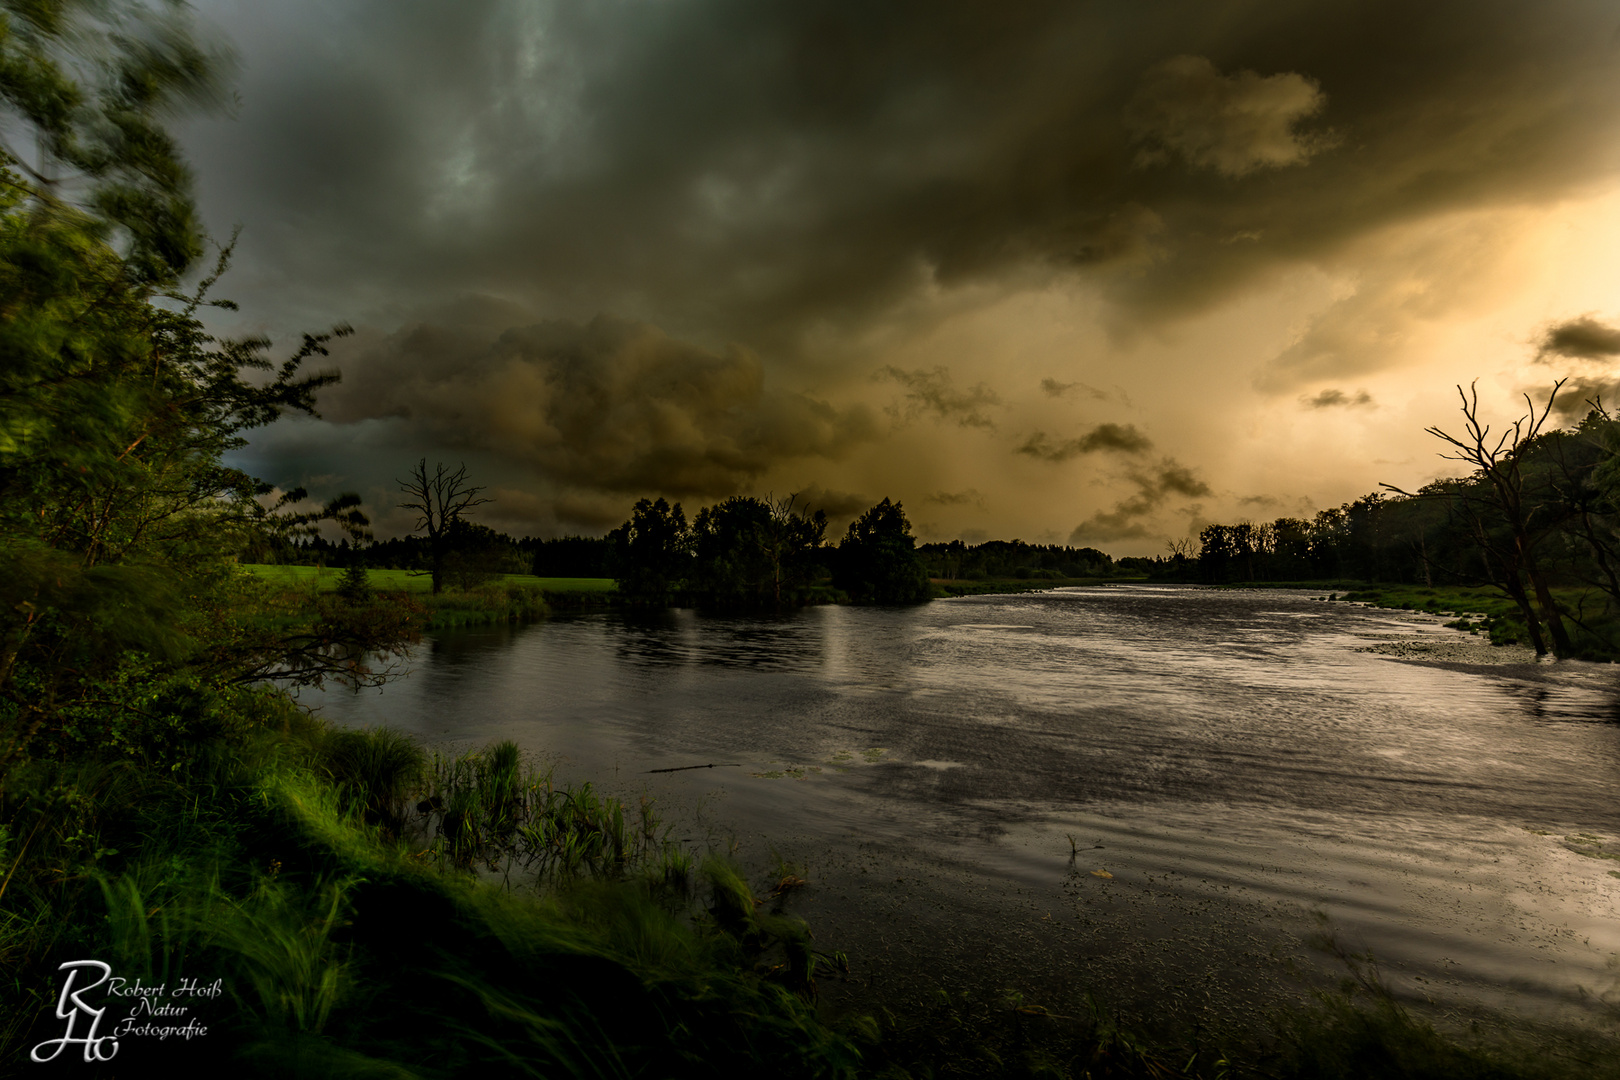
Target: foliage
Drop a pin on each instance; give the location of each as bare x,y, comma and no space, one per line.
877,561
755,553
92,84
958,561
651,553
748,553
1537,521
355,584
118,517
341,953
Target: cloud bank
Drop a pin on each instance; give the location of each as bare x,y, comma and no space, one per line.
606,406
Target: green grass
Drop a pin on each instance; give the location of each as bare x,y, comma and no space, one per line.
292,868
325,578
1483,610
502,598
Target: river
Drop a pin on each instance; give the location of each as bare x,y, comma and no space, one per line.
1157,795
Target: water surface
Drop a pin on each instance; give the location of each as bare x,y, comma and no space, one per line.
958,778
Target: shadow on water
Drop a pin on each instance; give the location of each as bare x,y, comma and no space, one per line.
680,637
464,647
1552,703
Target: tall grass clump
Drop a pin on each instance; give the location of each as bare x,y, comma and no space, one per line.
341,952
492,602
379,769
492,809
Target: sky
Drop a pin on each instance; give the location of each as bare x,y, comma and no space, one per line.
1085,273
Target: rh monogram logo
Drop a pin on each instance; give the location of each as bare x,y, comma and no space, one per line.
71,1007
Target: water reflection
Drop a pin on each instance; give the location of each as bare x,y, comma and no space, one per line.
1554,703
683,637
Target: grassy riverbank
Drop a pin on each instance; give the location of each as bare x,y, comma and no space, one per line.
1487,611
327,579
1477,609
501,598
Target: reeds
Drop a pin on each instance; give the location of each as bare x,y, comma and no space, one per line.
379,770
493,809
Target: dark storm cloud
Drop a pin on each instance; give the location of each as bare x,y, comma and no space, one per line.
1171,478
1582,339
1233,124
1123,438
1335,398
1057,389
931,391
609,406
747,170
970,497
1132,518
1579,396
839,506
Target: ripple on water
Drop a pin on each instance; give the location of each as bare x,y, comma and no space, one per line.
1230,760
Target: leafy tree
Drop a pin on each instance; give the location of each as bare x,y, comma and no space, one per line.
88,86
440,501
118,518
756,552
791,541
651,554
479,554
877,559
731,567
1216,553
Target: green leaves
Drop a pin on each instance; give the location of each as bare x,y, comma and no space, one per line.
878,559
93,84
118,517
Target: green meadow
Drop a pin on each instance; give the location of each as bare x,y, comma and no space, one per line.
1487,611
326,579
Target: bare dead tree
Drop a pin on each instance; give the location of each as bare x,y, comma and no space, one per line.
1504,522
440,499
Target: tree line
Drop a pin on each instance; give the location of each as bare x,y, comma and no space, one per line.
1014,559
1536,517
743,553
751,553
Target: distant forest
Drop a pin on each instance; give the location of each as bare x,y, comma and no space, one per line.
1537,519
592,556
